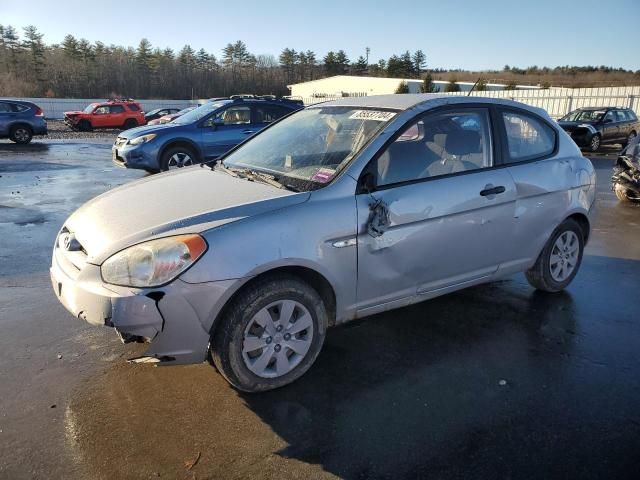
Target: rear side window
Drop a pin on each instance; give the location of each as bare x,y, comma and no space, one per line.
632,116
528,138
5,108
117,109
269,113
133,107
19,108
620,116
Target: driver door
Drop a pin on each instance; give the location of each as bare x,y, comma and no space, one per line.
447,216
100,117
225,129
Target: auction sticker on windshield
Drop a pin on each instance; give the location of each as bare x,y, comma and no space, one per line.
375,115
323,175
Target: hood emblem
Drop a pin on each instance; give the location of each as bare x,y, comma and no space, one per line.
69,243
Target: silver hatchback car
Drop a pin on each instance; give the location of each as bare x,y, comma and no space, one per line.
339,211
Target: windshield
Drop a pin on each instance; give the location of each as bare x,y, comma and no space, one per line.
90,108
198,113
584,116
310,145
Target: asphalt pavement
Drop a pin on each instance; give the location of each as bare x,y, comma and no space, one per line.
496,381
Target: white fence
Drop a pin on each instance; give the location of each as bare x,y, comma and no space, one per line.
54,108
556,101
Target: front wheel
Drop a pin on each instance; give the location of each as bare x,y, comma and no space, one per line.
559,260
594,144
21,134
270,335
177,157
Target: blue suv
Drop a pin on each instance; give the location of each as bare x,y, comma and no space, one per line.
20,121
200,135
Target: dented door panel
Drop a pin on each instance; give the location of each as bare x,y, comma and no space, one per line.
439,232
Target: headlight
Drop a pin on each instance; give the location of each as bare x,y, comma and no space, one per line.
153,263
142,139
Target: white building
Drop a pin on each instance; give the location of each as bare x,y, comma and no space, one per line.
352,86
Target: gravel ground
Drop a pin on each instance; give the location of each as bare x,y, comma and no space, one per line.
59,131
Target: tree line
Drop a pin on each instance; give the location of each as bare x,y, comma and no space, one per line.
78,68
29,67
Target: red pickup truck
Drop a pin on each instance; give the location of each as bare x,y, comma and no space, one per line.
123,114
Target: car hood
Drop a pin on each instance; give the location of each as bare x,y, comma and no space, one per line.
74,112
144,130
564,123
187,201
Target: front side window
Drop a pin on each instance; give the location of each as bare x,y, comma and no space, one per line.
101,110
527,137
436,144
610,117
312,145
589,116
239,115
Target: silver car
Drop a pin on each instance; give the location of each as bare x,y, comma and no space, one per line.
341,210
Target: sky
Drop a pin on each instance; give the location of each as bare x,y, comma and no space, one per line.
467,34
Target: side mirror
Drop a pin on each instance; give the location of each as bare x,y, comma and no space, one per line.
367,183
218,122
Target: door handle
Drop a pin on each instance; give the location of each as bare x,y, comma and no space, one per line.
491,190
247,132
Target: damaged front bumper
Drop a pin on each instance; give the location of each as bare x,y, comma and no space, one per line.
176,318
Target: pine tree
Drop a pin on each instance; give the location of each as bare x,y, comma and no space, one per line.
402,87
427,85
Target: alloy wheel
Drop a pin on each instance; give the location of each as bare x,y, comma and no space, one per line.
277,338
21,134
595,143
179,160
564,256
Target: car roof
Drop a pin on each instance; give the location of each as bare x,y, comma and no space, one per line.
421,101
591,109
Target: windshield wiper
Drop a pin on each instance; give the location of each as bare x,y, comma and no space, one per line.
253,176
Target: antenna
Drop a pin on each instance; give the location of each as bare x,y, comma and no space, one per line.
474,86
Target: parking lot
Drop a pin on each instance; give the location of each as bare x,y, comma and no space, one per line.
496,381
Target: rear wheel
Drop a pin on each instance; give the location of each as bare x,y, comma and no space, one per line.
559,260
594,144
630,138
130,123
270,335
177,157
21,134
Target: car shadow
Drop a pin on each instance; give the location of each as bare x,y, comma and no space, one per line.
32,147
390,396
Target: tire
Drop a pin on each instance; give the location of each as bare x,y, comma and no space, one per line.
177,157
257,370
542,275
85,126
129,123
629,139
21,134
595,143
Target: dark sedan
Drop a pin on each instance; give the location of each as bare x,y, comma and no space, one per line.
594,126
159,112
